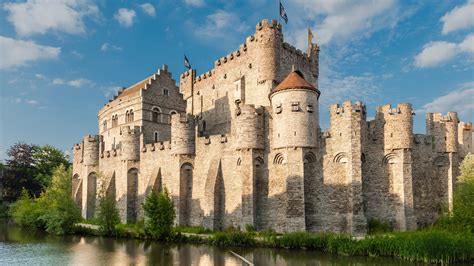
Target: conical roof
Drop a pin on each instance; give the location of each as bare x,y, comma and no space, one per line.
294,80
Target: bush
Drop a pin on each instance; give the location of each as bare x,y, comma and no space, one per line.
232,238
463,204
193,229
159,215
375,226
54,210
108,215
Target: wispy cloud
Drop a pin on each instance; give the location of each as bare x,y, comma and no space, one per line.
110,47
149,9
40,16
125,17
437,53
110,91
15,53
80,82
460,100
195,3
461,17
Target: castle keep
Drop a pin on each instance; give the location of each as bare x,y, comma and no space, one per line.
241,144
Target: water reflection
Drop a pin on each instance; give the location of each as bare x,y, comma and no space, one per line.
20,246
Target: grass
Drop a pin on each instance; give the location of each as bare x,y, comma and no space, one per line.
192,230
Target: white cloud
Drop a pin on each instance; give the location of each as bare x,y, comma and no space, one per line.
31,102
342,19
194,3
110,47
110,91
220,25
436,53
14,53
460,100
461,17
149,9
40,76
126,17
58,81
40,16
79,82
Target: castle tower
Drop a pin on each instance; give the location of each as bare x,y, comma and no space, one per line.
186,84
295,113
269,38
347,130
130,143
183,134
249,127
91,150
397,127
444,133
464,138
295,126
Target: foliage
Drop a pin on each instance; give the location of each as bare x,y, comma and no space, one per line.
159,215
54,210
376,226
193,230
108,215
3,210
232,238
30,166
249,228
45,159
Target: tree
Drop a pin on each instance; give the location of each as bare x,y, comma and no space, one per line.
107,215
45,159
159,214
463,205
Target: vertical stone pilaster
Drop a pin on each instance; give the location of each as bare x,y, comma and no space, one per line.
248,174
409,222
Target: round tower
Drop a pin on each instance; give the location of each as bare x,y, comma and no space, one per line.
269,37
397,125
249,128
183,136
451,132
91,150
130,143
295,104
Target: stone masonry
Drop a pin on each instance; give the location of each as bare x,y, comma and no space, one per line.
241,144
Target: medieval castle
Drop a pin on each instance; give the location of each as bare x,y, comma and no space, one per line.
241,144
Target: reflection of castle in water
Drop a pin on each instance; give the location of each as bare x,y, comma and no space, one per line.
241,144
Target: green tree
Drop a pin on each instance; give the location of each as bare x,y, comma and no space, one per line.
26,211
107,215
463,205
159,215
45,159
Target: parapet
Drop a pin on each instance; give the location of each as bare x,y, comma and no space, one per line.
401,109
394,125
348,108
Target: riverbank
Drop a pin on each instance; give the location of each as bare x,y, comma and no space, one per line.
429,245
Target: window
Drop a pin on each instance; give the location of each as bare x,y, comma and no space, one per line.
131,116
156,115
155,136
278,109
309,108
166,92
104,125
114,120
295,106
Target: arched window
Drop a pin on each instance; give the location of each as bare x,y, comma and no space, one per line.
132,116
127,116
155,136
156,115
104,125
114,120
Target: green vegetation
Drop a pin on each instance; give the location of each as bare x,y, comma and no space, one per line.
31,167
192,230
159,215
107,215
3,210
54,210
232,238
375,226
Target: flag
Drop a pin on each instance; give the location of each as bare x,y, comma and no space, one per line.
310,37
283,14
186,63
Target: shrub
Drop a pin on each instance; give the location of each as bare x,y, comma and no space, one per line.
107,215
249,228
159,215
232,238
463,204
375,226
26,211
193,229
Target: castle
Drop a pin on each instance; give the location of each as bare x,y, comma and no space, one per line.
241,145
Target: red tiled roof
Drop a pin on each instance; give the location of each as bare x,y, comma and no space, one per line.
294,80
135,88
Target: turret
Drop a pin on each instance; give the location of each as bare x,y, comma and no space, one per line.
130,143
344,120
183,135
295,112
249,127
269,37
443,130
186,85
397,125
91,150
465,138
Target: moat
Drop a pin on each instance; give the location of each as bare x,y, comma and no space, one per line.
26,247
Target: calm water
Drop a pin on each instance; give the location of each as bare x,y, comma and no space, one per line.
20,246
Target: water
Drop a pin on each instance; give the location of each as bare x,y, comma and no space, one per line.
26,247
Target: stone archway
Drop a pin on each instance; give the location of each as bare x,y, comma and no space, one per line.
91,195
132,195
185,194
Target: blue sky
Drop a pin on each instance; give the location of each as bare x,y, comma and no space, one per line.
61,60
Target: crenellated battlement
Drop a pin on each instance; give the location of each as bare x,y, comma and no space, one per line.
399,109
161,146
127,130
444,130
347,108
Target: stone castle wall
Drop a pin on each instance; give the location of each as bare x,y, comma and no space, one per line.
231,154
